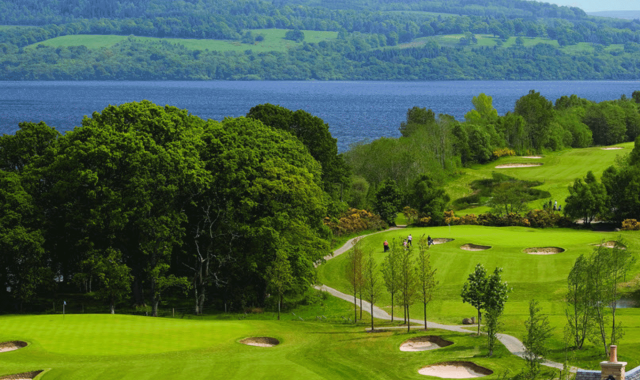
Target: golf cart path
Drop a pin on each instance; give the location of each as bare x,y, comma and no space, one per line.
513,344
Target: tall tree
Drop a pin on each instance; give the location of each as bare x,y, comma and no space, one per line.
578,310
538,113
426,276
473,291
372,285
408,282
387,201
496,295
279,277
538,331
354,273
587,200
391,273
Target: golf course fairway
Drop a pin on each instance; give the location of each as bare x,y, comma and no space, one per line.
540,277
130,347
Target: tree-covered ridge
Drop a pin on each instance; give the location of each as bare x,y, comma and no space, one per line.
348,59
373,43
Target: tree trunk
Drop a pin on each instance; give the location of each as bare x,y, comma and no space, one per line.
408,320
279,304
425,316
355,305
360,302
113,308
478,321
392,307
372,316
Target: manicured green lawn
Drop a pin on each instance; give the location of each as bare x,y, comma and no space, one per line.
558,171
126,347
542,277
274,41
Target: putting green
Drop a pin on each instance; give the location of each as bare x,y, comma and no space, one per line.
127,347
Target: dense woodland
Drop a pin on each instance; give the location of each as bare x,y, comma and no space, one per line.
368,44
142,202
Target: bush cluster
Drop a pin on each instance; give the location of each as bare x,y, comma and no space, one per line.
630,225
353,221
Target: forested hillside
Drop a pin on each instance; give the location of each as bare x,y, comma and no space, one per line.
375,40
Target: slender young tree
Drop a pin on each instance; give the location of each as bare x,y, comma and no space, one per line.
579,311
408,282
426,275
390,273
354,273
372,284
620,261
496,295
538,331
279,276
473,291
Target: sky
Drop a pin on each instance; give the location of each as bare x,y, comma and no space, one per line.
600,5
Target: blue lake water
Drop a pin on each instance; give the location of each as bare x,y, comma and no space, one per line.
353,110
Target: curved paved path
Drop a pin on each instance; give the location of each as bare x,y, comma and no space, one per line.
513,344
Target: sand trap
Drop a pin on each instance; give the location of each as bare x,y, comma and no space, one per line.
531,156
424,343
455,370
441,240
12,346
611,244
21,376
475,247
544,250
511,166
613,148
261,341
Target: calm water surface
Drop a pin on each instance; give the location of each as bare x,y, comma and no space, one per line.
354,110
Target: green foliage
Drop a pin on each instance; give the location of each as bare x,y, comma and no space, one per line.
428,199
587,200
607,122
538,113
496,295
535,342
388,201
504,193
279,277
314,133
474,291
294,35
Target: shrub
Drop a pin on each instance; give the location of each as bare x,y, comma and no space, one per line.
503,152
354,220
423,222
630,225
410,213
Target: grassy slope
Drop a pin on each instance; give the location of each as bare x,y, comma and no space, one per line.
531,276
274,41
558,171
126,347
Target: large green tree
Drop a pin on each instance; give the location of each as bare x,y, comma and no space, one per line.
587,199
387,202
538,113
315,135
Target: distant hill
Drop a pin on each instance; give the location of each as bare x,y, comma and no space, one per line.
626,15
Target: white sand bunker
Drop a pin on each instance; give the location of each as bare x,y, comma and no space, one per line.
455,370
22,376
511,166
613,148
12,346
531,156
424,343
611,244
544,250
441,240
475,247
262,341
